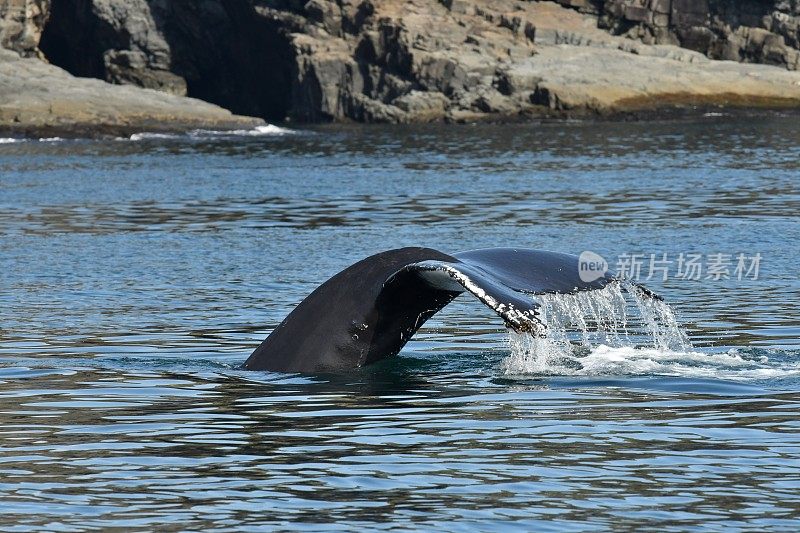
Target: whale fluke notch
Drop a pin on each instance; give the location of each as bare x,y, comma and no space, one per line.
370,310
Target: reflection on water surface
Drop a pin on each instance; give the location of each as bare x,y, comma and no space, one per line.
137,276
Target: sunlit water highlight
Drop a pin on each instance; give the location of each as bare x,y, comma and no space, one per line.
137,276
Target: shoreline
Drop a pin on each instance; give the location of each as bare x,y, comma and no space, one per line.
121,131
152,130
383,62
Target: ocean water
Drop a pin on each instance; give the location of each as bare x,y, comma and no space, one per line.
136,275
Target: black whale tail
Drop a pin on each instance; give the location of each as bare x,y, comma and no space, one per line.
370,310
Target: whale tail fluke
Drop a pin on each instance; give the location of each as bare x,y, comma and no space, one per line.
370,310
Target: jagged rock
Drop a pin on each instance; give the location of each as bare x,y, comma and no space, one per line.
416,60
421,106
517,78
756,31
132,67
493,101
40,99
115,40
365,109
21,24
326,13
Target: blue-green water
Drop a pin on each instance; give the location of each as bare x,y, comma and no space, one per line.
135,276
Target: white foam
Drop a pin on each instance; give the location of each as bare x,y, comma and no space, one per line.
259,131
149,135
267,130
528,358
621,331
14,140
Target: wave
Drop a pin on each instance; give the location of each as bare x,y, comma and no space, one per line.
268,130
146,136
16,140
258,131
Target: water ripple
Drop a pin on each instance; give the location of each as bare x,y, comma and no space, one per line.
136,277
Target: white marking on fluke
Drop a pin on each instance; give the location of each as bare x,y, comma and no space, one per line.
446,277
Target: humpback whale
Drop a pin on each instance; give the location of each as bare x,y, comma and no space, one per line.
370,310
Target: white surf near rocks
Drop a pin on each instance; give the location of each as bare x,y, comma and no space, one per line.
267,130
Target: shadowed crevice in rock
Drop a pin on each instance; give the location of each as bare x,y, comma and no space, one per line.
75,39
229,56
220,52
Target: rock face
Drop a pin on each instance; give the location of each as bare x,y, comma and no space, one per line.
42,100
413,61
754,31
220,51
420,60
116,41
404,61
21,24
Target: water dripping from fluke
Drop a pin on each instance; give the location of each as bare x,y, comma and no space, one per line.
625,330
621,328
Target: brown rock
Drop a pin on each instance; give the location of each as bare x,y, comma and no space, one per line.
40,99
392,61
21,24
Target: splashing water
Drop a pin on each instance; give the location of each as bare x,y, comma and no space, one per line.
620,330
621,314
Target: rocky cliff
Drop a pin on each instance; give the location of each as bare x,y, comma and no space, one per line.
40,99
420,60
220,51
753,31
